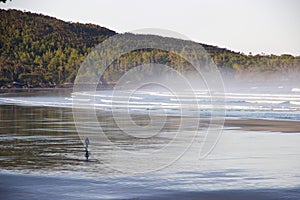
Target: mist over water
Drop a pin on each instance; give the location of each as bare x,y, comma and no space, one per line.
267,101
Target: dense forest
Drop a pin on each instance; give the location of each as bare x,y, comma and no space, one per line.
41,51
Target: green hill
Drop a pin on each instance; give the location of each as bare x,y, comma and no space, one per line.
42,51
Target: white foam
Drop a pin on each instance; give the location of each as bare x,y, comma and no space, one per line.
253,104
295,90
295,102
266,102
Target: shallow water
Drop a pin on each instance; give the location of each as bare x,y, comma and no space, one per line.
43,140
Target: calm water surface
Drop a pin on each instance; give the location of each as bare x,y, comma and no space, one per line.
39,139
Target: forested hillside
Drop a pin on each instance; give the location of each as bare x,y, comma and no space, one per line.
41,51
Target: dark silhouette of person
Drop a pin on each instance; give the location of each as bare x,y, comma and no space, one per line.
87,153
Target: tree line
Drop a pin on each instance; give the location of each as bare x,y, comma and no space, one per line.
42,51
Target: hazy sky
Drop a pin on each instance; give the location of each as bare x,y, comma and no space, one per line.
269,26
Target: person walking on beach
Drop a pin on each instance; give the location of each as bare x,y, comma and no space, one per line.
87,153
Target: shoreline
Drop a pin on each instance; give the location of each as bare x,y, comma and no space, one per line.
22,86
271,125
246,124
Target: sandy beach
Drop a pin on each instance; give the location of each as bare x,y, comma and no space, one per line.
284,126
17,187
247,163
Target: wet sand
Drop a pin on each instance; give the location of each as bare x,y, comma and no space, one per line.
284,126
15,187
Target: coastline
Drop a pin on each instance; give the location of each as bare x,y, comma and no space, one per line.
272,125
23,86
246,124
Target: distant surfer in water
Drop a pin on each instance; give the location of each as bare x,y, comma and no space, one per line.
87,153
